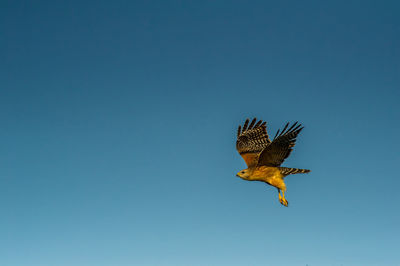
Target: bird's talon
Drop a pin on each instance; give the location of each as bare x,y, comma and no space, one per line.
284,202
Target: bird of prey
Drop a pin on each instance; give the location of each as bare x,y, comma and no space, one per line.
264,157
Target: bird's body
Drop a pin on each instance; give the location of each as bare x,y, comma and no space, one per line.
264,157
267,174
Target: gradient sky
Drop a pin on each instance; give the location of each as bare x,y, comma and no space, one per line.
118,123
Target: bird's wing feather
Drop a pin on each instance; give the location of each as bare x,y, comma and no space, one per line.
251,140
280,147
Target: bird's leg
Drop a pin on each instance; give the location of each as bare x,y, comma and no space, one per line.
282,199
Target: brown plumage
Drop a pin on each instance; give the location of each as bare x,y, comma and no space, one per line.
264,157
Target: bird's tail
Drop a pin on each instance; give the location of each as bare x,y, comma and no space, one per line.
291,171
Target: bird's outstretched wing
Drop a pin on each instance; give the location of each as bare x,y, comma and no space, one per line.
280,147
251,140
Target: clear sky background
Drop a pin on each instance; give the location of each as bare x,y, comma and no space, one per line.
118,125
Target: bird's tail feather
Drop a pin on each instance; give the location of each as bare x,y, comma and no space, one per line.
290,171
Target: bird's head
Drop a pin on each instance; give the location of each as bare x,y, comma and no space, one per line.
244,174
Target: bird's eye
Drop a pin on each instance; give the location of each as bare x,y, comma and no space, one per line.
242,172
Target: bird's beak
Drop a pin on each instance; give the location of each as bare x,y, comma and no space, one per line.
237,175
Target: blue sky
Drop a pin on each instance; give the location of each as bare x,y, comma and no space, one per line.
118,125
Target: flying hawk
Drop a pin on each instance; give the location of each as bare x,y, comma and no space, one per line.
264,157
